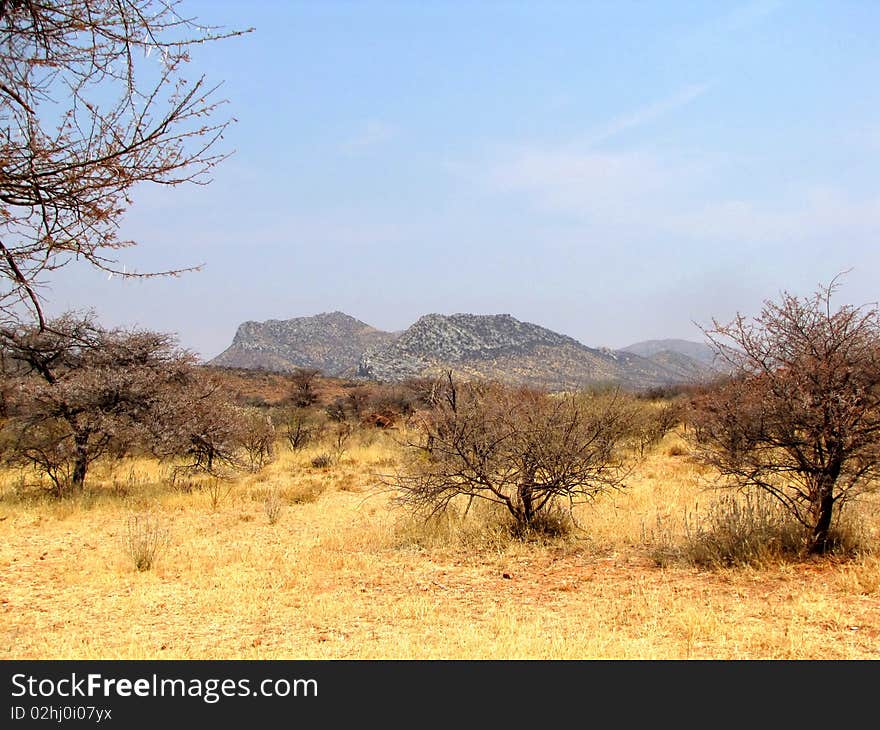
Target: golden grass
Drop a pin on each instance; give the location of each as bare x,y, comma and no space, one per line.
343,574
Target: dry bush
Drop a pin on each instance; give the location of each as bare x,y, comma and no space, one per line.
218,491
385,418
322,461
861,577
145,539
522,449
183,483
304,393
257,437
738,530
273,506
357,400
202,427
388,402
652,421
479,528
300,427
554,521
336,444
744,529
340,438
336,411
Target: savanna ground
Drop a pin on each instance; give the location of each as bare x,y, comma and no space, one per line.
343,573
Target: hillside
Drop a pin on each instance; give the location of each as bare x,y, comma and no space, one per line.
486,346
698,351
502,347
331,342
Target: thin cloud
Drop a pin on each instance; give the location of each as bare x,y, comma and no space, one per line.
646,114
574,177
740,19
645,193
372,134
747,15
821,213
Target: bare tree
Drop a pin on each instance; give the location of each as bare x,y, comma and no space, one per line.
93,102
300,427
197,422
304,393
800,416
335,410
520,448
257,437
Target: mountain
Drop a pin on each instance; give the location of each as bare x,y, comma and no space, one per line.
496,346
686,369
504,348
698,351
333,342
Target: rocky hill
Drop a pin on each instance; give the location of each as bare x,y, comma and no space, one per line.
333,342
698,351
485,346
502,347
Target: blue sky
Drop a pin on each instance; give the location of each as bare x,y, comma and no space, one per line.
615,171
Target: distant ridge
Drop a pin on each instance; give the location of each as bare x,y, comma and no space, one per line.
698,351
496,346
331,342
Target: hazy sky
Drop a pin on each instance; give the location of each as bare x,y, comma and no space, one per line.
614,171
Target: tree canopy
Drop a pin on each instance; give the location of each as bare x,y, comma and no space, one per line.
93,102
800,416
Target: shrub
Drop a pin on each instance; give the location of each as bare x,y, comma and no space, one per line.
340,438
304,393
322,461
305,492
335,410
273,506
218,490
257,436
522,449
299,427
144,540
748,529
737,530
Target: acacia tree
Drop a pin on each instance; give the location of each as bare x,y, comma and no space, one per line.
79,392
800,416
198,423
76,392
93,102
304,393
520,448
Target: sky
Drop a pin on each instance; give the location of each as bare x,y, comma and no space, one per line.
615,171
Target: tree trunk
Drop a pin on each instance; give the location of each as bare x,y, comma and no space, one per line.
822,510
81,461
527,504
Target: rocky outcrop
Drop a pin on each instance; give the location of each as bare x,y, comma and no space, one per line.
332,342
494,346
504,348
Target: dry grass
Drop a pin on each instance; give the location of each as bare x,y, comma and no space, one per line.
344,575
